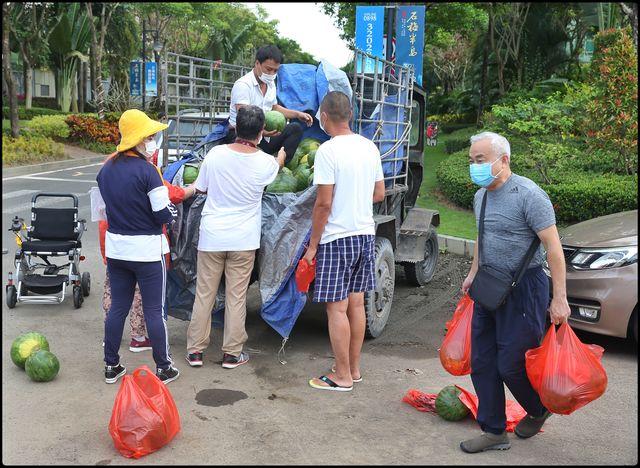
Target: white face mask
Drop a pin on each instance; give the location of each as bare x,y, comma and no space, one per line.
268,78
150,147
321,126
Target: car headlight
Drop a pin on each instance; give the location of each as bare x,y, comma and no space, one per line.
600,259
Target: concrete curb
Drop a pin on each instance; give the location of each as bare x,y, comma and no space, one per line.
50,166
456,245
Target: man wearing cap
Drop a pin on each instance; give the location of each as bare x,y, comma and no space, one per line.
137,206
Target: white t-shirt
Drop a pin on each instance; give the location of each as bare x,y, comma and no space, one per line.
246,90
232,213
352,163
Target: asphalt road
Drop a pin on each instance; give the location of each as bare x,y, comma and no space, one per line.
265,412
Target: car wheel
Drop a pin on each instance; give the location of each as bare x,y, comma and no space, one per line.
634,324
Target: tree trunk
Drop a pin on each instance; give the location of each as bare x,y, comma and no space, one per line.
483,80
74,93
28,86
92,74
632,15
82,86
8,73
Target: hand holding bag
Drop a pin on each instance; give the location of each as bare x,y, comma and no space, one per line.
487,289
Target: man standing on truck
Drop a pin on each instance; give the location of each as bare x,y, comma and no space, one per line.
233,177
513,214
348,173
258,88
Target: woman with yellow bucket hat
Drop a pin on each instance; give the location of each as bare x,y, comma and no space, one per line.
137,206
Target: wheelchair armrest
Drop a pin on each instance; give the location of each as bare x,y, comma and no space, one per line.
82,226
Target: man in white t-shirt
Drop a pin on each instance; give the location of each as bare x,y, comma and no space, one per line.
258,88
234,177
348,173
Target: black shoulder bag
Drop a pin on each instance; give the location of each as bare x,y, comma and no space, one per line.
488,290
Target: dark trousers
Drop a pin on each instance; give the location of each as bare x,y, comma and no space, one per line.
499,340
152,280
290,138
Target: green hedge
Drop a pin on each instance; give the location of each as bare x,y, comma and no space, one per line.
28,114
581,197
30,149
52,126
453,145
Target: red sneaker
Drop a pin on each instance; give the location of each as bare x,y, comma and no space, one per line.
137,346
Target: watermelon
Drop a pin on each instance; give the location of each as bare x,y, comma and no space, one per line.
42,366
449,406
293,164
274,120
311,157
26,344
310,180
190,173
285,182
304,160
302,175
308,144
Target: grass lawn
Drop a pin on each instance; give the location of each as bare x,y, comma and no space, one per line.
6,125
454,221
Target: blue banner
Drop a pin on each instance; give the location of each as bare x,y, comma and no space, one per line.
151,76
369,32
410,37
135,78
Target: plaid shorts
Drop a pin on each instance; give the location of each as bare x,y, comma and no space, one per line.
344,266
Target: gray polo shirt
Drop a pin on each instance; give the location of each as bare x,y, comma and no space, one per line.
515,212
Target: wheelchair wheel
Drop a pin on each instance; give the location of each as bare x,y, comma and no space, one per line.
12,296
86,284
78,299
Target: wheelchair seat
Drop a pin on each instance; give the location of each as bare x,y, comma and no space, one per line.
54,246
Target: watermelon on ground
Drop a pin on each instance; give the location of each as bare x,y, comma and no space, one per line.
310,180
449,406
190,173
42,366
304,160
26,344
274,120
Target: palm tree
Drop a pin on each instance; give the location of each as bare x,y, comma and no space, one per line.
69,43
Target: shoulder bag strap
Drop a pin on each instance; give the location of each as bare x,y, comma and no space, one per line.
525,261
481,227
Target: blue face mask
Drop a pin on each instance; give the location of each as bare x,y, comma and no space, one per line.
481,173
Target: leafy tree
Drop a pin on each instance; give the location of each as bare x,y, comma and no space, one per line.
31,24
69,43
614,110
122,44
98,25
8,10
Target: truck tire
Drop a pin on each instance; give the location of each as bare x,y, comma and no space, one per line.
420,273
377,303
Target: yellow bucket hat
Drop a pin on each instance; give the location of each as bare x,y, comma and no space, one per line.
134,127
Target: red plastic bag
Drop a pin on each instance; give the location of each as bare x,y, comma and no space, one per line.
513,410
426,402
144,417
455,352
305,274
566,373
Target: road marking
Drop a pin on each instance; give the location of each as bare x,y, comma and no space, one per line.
19,193
57,180
41,204
56,170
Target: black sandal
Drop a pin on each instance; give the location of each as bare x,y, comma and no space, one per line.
332,385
